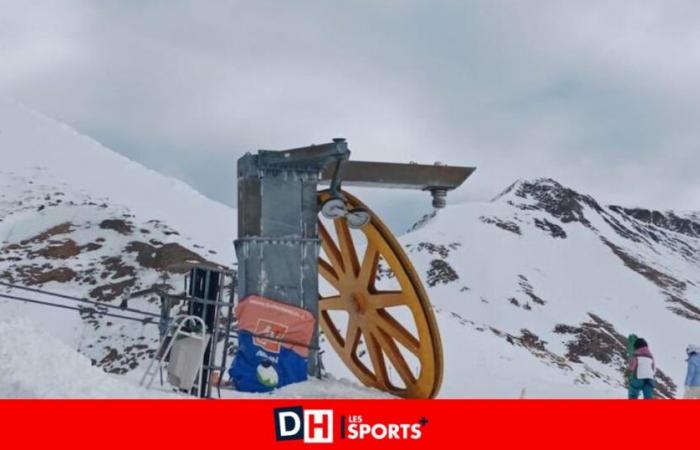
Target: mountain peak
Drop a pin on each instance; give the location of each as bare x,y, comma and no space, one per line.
523,187
549,195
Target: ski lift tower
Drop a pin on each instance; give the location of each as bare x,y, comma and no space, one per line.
283,247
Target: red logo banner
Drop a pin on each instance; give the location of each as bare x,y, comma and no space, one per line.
362,424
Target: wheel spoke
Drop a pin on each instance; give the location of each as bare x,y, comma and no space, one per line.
330,249
352,336
402,277
387,299
347,247
328,273
334,303
391,350
331,331
375,355
368,269
397,331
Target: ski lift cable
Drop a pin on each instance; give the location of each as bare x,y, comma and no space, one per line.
82,300
78,299
146,320
137,311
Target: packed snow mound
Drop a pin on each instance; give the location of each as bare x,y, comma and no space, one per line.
37,365
314,388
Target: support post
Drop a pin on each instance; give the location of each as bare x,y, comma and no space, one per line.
278,245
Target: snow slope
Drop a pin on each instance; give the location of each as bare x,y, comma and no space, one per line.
37,365
536,291
80,219
37,147
533,291
539,287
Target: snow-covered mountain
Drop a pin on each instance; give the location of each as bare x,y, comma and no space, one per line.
80,219
534,291
538,289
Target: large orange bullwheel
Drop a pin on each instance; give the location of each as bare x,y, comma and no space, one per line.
389,338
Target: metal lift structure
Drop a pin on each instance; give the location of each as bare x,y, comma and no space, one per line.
293,238
290,235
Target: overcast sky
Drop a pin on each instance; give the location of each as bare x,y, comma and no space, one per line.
603,96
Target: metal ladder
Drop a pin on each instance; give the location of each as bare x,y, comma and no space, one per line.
175,329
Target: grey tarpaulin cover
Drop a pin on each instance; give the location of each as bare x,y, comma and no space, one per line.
185,360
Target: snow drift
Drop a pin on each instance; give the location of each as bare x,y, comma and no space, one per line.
37,365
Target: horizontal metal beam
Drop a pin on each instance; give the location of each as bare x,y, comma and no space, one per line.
398,176
310,158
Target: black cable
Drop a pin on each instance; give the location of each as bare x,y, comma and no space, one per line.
79,309
78,299
144,320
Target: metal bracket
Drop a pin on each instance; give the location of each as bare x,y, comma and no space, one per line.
436,179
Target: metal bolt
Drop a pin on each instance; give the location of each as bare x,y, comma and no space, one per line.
439,198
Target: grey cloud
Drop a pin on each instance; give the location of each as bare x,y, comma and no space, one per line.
601,95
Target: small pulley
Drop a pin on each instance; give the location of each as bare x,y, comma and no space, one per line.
336,206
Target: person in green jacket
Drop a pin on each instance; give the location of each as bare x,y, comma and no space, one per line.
641,371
